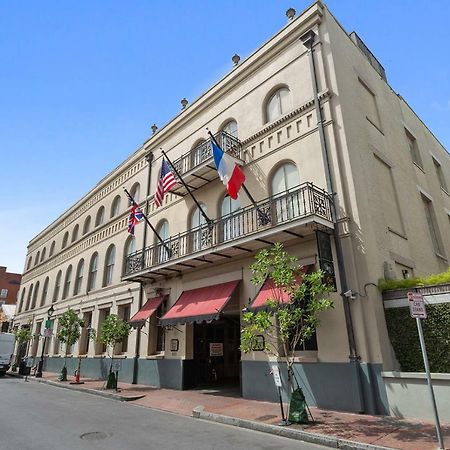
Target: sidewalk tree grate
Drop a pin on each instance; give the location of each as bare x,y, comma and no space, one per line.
94,436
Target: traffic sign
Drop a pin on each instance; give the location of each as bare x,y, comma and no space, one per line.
417,305
276,376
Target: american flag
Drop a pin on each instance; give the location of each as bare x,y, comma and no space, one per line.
165,183
134,217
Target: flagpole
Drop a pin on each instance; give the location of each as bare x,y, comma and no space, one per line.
150,225
208,220
261,214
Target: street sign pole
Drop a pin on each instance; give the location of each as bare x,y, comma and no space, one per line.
419,312
430,385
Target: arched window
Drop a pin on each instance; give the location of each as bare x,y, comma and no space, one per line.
231,128
163,231
288,205
278,104
201,238
75,232
30,293
115,207
29,262
52,249
87,225
43,254
110,259
65,240
100,216
22,299
35,295
44,292
67,281
93,267
57,287
231,226
36,260
79,277
199,153
136,192
130,247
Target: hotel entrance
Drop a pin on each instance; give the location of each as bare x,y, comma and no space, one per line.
216,353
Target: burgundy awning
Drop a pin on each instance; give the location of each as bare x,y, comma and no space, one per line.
270,291
147,310
202,304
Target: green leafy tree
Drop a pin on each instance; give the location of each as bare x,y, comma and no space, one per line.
69,332
23,335
284,324
112,332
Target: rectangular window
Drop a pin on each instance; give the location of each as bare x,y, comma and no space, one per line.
432,225
414,149
124,314
440,174
102,315
4,293
370,105
161,335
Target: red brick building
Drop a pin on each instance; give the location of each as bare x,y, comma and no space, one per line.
9,286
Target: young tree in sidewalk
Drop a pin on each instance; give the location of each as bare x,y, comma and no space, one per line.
291,315
23,337
69,332
112,332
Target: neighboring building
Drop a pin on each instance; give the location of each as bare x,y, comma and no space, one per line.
9,287
360,179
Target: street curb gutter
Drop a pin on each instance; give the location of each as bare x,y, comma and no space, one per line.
122,398
286,432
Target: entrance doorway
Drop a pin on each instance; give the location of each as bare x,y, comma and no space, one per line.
216,353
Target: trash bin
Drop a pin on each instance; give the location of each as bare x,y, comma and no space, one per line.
23,369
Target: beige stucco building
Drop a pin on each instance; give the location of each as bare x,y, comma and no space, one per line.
346,176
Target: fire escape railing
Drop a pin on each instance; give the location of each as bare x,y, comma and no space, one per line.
302,201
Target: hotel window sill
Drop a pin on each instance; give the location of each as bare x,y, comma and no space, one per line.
440,256
375,125
103,355
398,233
120,356
155,356
419,167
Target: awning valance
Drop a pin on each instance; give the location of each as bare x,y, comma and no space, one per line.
202,304
147,310
269,291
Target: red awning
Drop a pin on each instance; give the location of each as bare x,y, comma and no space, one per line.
202,304
270,291
147,310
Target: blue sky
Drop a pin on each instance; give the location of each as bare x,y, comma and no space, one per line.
81,83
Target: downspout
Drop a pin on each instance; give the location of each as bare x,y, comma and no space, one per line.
149,159
308,41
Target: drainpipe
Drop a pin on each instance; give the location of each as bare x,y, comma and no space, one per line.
308,41
149,159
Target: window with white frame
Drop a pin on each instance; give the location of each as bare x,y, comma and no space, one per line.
35,295
163,231
93,268
109,265
200,232
67,282
57,287
278,104
284,179
44,292
115,207
231,128
99,218
3,293
231,226
75,232
79,277
65,239
87,225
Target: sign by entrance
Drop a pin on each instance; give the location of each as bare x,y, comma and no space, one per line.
416,305
276,376
116,365
29,362
215,349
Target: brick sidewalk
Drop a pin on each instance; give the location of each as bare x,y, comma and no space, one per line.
377,430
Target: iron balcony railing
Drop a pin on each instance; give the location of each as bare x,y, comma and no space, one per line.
302,201
203,152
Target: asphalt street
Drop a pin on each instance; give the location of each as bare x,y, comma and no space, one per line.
37,416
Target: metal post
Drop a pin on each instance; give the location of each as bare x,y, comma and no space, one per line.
429,382
284,420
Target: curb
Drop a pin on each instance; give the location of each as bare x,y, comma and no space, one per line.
122,398
290,433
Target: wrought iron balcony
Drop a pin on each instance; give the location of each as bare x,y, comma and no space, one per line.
279,218
197,167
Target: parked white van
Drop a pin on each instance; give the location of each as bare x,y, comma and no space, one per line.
7,341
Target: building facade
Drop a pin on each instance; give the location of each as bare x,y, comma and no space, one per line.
339,169
9,287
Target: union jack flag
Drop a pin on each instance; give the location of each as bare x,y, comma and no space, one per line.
165,183
134,217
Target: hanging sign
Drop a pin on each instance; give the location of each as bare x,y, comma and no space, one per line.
215,349
417,305
276,375
48,332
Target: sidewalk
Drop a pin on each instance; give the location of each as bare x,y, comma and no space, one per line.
228,407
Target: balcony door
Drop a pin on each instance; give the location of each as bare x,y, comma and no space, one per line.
201,235
288,205
163,231
231,228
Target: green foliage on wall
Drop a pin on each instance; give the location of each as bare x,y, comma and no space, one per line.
430,280
405,339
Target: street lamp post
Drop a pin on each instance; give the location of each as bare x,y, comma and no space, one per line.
41,361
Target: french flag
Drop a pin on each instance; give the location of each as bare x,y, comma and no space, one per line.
229,172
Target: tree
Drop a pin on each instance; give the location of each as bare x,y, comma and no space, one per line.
112,332
69,332
291,315
23,336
